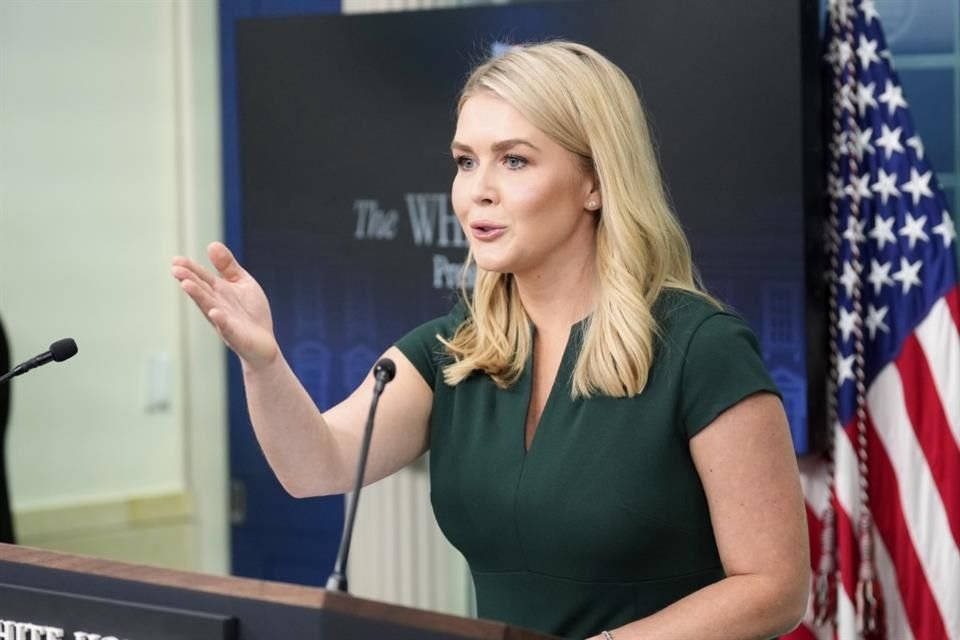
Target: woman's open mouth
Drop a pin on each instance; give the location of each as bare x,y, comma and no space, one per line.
484,230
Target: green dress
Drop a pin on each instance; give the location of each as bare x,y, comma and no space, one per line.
604,520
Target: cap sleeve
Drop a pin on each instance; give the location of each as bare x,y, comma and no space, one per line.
722,366
424,350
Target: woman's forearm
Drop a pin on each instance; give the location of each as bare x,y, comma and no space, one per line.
745,607
292,432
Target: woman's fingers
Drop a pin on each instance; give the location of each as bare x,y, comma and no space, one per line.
222,258
184,274
193,267
231,301
201,295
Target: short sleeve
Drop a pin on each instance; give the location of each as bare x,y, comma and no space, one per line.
424,350
722,366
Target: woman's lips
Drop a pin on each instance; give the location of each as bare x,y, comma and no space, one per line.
486,231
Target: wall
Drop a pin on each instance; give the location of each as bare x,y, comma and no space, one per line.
109,157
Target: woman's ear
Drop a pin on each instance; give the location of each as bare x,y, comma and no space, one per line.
594,201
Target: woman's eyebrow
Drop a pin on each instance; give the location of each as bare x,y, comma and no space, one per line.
496,147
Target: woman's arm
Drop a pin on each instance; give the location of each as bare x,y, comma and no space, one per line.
316,454
749,472
311,453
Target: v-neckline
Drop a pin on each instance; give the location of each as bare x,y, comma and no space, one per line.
550,401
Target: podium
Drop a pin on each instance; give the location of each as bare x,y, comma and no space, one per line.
46,595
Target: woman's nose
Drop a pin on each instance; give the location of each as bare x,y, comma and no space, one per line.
485,191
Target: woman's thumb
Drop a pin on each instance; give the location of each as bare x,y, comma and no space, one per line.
222,259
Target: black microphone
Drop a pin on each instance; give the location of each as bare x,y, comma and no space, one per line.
383,372
60,350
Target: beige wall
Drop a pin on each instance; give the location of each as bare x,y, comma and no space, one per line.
109,165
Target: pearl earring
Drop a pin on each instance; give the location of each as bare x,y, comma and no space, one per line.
592,204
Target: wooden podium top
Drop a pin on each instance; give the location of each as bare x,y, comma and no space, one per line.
266,592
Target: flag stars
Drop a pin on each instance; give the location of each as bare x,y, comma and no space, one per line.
849,279
869,11
882,231
919,185
845,369
865,97
847,323
846,98
909,274
831,54
834,187
917,145
890,140
892,96
875,321
886,186
946,229
844,52
859,187
913,229
879,276
839,145
854,231
867,52
844,10
862,143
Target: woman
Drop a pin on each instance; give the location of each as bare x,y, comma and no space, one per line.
607,449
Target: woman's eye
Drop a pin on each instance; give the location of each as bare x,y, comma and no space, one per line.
465,163
515,162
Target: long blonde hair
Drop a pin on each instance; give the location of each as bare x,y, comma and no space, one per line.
586,104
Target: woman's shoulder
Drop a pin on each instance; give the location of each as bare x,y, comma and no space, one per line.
712,352
686,316
682,309
446,325
422,345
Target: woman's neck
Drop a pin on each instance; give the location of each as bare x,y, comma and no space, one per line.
556,299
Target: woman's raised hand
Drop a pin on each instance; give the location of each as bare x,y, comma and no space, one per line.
233,302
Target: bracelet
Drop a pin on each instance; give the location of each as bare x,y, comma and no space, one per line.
606,635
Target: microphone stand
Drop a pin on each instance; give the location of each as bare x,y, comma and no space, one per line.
383,373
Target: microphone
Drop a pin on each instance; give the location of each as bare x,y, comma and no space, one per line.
60,350
383,372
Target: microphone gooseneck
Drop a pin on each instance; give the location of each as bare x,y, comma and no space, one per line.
61,350
383,372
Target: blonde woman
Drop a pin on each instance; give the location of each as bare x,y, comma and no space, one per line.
607,450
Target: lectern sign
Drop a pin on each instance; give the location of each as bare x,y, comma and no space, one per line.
13,630
38,614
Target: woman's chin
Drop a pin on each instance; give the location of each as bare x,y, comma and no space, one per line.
493,264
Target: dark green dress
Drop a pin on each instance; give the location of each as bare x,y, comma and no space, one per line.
604,520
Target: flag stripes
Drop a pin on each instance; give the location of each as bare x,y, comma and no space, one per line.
895,344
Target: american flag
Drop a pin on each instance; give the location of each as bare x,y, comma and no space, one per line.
884,509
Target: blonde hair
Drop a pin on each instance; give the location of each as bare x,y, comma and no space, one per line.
586,104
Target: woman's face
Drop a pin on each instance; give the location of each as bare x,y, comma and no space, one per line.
522,199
